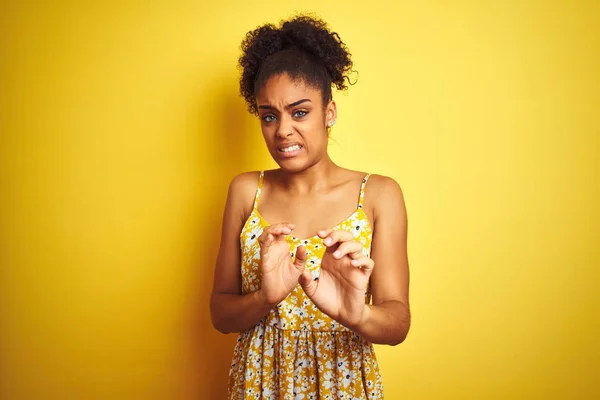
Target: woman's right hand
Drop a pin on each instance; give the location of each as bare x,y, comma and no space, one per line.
279,272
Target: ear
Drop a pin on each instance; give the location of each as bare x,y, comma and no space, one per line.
330,114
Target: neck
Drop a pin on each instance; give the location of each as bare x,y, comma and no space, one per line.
313,178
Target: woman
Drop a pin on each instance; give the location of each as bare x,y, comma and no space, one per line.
309,294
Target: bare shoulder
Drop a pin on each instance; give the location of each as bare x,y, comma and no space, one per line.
384,195
244,183
381,185
242,191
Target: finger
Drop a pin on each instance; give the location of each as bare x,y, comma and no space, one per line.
351,248
363,262
337,236
324,232
265,243
308,282
263,236
300,260
280,229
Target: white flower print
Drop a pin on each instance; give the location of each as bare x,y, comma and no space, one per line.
320,355
329,381
358,226
269,352
315,274
304,386
289,310
348,378
258,341
290,385
318,324
342,364
313,261
300,312
252,236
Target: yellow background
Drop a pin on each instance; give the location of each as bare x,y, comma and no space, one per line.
120,127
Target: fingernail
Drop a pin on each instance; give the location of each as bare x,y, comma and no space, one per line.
336,254
327,241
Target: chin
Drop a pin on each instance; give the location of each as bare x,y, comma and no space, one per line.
292,166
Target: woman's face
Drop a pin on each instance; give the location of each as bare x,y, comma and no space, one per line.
294,122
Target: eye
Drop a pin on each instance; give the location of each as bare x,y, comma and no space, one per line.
269,118
300,113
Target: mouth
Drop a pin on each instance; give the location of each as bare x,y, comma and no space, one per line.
290,151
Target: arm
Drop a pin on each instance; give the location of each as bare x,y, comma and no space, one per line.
387,320
231,311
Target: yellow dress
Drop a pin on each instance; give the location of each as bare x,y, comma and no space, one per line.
296,351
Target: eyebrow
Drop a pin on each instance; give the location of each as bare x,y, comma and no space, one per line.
294,104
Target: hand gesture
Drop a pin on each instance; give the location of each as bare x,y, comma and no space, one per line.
279,272
339,291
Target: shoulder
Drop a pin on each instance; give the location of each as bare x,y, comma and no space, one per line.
242,190
384,195
244,183
383,185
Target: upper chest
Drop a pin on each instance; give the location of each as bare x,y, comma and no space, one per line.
315,211
310,215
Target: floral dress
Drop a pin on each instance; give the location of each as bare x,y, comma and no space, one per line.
296,351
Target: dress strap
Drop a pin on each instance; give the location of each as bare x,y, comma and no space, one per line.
362,190
258,189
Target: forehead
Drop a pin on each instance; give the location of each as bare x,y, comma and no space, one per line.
281,90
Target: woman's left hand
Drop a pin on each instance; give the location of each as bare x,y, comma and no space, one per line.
340,288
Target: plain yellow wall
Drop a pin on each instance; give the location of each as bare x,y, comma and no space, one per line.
120,127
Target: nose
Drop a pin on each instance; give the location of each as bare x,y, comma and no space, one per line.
285,127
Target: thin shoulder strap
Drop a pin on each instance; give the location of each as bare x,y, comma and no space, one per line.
258,189
361,198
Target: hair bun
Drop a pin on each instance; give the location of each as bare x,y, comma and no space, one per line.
308,34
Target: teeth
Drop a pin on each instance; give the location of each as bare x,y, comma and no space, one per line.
291,148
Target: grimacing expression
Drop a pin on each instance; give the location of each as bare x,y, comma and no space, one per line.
294,122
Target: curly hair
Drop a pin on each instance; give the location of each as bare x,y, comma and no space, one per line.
303,47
